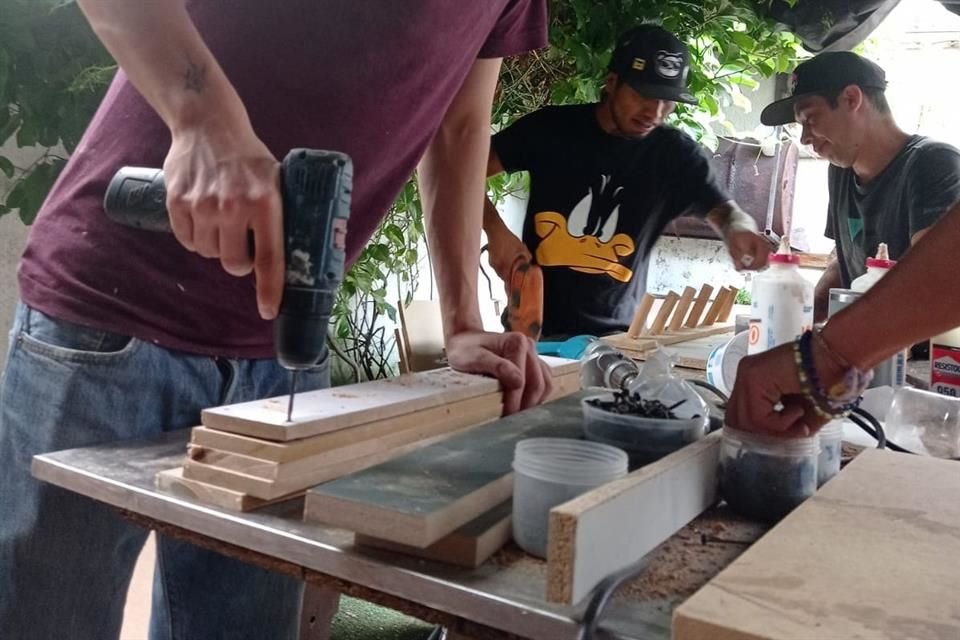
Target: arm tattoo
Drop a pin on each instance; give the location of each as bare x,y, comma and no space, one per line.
195,77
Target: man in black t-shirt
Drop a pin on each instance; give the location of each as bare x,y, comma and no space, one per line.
885,185
605,179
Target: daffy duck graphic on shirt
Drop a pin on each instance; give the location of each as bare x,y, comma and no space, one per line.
587,239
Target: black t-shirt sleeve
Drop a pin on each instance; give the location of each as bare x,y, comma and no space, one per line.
934,185
519,146
697,190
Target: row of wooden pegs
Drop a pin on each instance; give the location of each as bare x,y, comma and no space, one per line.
672,317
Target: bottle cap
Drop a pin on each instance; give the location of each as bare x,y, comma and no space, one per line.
783,254
882,259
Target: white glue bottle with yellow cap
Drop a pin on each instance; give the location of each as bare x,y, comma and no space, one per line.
782,302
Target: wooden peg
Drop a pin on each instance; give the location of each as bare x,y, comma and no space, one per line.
699,305
718,304
661,320
639,323
728,308
686,299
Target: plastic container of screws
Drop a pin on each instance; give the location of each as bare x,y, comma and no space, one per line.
831,445
765,477
615,419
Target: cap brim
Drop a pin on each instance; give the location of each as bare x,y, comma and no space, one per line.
663,92
780,112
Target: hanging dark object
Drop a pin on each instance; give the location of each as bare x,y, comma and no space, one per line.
835,25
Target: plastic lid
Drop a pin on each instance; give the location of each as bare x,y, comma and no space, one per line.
882,259
880,263
784,258
783,254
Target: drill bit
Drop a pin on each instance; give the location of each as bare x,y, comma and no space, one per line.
293,392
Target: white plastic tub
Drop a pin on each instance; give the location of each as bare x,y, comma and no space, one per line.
831,444
550,471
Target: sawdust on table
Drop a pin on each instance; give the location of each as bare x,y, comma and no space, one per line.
693,556
678,567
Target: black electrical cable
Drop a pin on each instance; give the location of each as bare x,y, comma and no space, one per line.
879,436
868,417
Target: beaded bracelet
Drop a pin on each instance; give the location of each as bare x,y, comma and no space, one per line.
843,397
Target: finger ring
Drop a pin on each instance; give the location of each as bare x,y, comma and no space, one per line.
746,260
778,407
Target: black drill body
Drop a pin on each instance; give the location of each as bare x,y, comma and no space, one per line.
315,187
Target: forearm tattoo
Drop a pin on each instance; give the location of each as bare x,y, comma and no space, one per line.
195,77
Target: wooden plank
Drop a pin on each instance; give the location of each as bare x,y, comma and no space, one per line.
469,546
421,429
328,410
419,498
272,489
402,355
615,525
172,481
268,479
683,306
693,320
872,555
489,405
660,322
815,260
639,324
638,346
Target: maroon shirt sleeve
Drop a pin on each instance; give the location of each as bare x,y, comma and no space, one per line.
522,27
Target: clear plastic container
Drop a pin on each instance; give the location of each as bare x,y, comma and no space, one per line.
765,477
550,471
831,445
644,439
925,422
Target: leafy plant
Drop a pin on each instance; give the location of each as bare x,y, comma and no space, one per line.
53,72
390,258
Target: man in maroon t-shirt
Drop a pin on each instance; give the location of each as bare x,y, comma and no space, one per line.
123,333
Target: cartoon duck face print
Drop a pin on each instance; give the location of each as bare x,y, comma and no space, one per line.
586,241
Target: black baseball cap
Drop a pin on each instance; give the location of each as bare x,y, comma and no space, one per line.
827,72
654,63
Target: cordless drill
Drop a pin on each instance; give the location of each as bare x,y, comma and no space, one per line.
315,187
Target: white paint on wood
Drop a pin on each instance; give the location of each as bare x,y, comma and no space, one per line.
614,526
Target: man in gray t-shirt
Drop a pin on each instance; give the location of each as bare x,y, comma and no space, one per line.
885,185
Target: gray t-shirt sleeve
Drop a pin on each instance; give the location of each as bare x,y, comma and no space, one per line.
934,185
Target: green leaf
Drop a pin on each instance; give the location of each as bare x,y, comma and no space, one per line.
6,166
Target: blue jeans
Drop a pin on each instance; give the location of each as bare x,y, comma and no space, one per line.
66,560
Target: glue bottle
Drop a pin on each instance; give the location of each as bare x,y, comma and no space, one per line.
891,372
877,267
782,305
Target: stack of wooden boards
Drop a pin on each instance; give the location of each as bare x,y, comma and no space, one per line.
677,319
247,454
